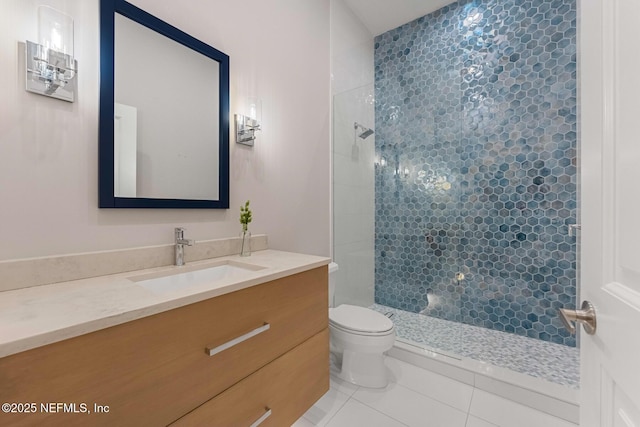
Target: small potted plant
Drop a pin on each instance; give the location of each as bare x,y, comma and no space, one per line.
245,219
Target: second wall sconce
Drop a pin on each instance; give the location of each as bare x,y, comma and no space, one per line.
51,67
248,125
246,129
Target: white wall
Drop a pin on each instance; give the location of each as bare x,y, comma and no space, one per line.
279,53
353,157
351,50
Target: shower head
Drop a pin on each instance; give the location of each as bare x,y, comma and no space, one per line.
365,132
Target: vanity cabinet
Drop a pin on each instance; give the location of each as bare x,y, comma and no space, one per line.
275,395
269,340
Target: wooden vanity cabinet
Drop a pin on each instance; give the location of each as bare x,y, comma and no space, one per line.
156,369
277,394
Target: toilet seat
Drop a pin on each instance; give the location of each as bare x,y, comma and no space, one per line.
361,334
360,321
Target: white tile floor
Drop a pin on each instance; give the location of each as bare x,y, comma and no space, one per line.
420,398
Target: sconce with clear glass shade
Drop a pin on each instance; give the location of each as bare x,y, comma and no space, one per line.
51,67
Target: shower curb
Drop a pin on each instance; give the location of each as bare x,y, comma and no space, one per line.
553,399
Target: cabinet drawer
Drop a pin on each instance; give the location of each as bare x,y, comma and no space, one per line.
153,370
279,393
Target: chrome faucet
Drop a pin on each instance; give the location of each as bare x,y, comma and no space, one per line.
180,242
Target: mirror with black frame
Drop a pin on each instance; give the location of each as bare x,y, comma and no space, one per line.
164,114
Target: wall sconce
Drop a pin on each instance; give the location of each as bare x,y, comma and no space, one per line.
51,68
248,125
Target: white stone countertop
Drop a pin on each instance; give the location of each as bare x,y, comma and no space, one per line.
41,315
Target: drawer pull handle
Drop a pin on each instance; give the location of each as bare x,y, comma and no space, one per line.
262,418
235,341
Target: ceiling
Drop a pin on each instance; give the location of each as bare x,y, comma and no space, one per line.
380,16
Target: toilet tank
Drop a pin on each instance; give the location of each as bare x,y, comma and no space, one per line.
333,269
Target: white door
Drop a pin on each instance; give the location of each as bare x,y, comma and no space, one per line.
609,65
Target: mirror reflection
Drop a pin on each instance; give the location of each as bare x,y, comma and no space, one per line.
162,149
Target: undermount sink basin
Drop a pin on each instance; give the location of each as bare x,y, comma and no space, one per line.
188,276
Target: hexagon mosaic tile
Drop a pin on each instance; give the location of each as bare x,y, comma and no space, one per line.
556,363
476,165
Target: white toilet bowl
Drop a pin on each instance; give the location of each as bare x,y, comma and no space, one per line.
359,338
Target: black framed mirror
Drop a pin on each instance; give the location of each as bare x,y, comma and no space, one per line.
164,114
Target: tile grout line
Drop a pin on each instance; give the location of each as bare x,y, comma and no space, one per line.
341,406
378,411
477,416
473,387
421,394
473,391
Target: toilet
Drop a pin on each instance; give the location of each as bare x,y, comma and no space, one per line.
359,338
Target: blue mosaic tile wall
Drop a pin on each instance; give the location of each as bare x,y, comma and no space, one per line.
476,170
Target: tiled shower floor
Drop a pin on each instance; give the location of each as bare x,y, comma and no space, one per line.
553,362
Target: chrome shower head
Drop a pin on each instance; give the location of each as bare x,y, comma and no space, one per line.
365,131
